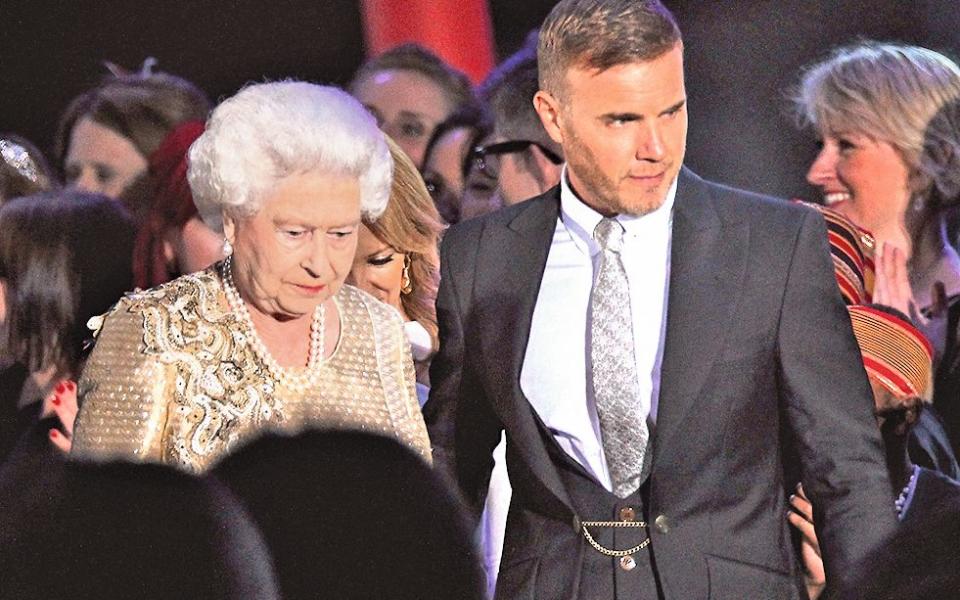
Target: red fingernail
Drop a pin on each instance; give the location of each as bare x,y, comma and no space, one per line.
53,433
61,388
71,386
56,401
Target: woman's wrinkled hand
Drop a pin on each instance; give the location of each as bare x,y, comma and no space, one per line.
892,288
801,517
62,402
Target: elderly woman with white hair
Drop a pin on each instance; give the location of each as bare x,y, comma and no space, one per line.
270,338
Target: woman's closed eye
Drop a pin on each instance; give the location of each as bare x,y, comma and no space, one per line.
379,261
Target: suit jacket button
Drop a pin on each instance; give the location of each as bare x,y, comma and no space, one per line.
628,514
662,523
627,563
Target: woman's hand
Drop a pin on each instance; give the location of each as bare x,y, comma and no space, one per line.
62,402
892,288
801,517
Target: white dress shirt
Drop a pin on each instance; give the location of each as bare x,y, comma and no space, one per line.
421,344
556,375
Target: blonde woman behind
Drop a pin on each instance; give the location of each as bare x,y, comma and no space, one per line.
883,162
398,262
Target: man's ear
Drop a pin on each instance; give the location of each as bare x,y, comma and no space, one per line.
548,108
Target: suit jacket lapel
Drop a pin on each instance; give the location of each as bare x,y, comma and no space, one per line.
508,290
706,271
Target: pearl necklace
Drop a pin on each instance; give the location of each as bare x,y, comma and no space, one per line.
298,382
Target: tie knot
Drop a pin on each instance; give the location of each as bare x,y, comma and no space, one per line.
609,234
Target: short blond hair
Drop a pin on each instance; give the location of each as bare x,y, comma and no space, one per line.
889,92
411,225
599,34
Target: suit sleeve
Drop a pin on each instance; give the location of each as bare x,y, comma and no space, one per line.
462,427
829,407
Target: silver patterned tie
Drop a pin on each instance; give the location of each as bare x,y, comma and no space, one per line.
616,387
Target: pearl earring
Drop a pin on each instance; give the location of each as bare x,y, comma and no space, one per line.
227,247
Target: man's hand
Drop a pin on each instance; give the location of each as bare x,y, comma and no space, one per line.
801,517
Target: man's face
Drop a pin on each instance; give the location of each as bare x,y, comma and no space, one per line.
623,131
516,182
523,174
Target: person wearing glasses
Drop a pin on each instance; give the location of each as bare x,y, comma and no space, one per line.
518,160
519,155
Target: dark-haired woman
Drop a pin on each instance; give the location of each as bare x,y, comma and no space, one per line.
64,258
107,134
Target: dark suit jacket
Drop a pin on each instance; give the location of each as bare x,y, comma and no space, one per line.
757,335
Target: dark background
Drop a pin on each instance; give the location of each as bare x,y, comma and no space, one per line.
742,58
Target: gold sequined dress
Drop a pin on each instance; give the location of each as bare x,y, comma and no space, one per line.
174,379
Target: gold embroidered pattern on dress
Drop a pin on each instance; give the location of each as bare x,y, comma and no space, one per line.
189,387
220,389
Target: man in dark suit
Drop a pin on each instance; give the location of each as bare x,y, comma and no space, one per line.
647,340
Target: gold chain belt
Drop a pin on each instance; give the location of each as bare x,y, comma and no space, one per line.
606,551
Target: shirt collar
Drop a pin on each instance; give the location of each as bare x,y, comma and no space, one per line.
581,219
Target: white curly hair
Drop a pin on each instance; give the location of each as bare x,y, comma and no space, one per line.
268,131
